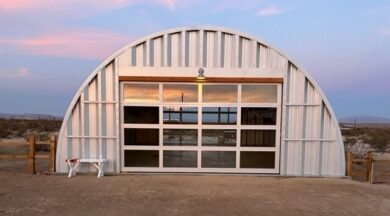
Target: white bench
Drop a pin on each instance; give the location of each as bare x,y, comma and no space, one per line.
75,162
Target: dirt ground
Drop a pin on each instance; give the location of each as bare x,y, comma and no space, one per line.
157,194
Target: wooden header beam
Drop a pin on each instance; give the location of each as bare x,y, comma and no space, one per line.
207,80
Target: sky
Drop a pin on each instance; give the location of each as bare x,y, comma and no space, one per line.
49,47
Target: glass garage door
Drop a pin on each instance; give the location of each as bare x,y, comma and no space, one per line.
192,127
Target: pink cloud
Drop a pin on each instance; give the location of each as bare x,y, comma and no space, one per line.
168,3
171,4
90,44
270,11
14,73
20,5
23,4
234,4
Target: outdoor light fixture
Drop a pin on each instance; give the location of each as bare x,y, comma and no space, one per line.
200,76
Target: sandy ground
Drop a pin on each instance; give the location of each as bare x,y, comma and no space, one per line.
153,194
172,194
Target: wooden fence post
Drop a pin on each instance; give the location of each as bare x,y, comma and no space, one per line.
53,148
31,154
349,163
369,165
372,173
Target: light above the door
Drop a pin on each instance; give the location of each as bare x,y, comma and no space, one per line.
200,76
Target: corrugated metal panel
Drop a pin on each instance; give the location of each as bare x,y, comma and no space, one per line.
211,52
63,154
313,121
93,123
246,53
110,127
303,156
311,142
157,54
264,56
140,54
176,49
76,132
183,49
93,120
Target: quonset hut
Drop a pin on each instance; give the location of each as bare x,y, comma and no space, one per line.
202,99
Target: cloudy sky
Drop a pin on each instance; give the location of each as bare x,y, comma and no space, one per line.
49,47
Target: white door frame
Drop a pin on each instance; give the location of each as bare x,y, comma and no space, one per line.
199,148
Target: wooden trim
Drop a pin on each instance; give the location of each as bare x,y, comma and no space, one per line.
208,79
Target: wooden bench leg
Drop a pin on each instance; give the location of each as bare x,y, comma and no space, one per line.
100,167
72,168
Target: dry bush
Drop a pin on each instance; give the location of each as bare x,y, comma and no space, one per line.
360,141
16,128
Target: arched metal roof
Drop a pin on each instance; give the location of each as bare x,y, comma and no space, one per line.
249,53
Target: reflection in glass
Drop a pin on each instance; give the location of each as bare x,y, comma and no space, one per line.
259,93
140,93
137,136
219,115
263,138
180,137
141,158
218,159
257,159
258,116
140,115
180,93
180,159
219,93
219,137
180,115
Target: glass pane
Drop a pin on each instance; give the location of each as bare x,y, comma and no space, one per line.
257,159
259,93
180,137
219,137
141,115
180,159
220,93
140,93
141,158
258,116
180,115
264,138
219,115
218,159
180,93
135,136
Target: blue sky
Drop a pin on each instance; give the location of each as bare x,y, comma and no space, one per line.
48,48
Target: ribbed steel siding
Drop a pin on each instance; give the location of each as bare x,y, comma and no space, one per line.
90,130
310,143
202,48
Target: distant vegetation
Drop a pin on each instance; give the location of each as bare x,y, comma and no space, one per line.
358,139
364,120
13,128
361,140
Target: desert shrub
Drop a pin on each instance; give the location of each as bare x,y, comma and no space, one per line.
4,132
378,138
360,141
22,127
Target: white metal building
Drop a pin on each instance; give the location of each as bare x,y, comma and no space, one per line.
145,109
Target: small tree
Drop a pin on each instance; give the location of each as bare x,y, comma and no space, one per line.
4,132
356,145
